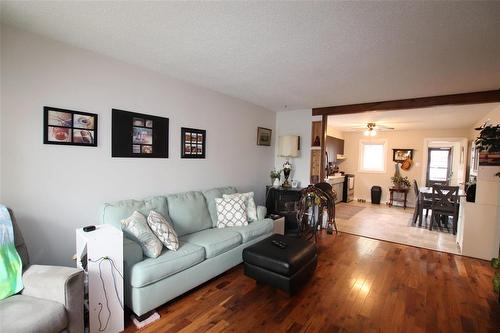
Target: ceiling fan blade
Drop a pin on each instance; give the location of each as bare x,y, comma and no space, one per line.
383,127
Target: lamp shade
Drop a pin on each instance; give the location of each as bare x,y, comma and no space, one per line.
288,146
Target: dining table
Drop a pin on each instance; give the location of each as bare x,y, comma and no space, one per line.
425,192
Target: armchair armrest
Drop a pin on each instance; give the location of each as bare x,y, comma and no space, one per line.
59,284
261,212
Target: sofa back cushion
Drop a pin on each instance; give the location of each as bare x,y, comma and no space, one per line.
188,212
113,213
210,196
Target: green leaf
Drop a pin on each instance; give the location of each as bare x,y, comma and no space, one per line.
496,283
495,263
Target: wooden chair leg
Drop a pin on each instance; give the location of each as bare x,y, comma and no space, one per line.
433,219
415,216
455,223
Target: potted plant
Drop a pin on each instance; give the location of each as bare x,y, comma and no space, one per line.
488,144
400,182
275,177
495,263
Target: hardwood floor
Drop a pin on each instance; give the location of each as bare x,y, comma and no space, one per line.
360,285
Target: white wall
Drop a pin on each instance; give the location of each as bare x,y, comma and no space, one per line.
335,132
492,117
55,189
297,122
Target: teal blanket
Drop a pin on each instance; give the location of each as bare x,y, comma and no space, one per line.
10,262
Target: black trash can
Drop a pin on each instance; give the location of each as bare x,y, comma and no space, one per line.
376,194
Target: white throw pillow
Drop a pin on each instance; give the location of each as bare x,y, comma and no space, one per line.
136,227
163,229
231,212
249,203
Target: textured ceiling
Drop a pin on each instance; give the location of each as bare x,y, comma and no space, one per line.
438,117
299,54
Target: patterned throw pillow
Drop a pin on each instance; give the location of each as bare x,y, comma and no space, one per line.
163,229
137,228
231,212
249,203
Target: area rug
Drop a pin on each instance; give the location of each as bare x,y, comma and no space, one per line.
344,211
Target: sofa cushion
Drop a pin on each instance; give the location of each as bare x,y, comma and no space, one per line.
163,229
21,313
113,213
249,203
231,212
211,195
189,213
136,227
168,263
254,229
215,241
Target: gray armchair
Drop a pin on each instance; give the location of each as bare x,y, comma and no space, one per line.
51,301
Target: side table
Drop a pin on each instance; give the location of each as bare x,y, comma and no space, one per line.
100,254
279,223
393,190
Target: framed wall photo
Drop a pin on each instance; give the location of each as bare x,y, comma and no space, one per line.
263,136
138,135
400,155
193,143
69,127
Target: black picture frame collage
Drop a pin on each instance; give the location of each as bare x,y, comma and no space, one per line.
142,135
68,127
193,143
133,134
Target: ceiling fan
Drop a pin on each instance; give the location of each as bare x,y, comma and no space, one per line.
371,129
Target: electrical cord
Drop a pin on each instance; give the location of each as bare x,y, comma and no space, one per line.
112,268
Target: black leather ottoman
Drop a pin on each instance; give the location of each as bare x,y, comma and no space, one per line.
287,269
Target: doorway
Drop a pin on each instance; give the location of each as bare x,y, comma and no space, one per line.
439,165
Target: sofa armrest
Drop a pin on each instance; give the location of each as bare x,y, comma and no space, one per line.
59,284
132,253
261,212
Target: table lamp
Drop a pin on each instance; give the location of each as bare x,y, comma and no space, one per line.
288,146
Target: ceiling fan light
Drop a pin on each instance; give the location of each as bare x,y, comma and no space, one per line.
366,133
373,132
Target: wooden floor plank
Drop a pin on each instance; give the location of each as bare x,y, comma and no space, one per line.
360,285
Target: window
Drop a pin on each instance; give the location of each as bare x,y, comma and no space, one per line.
372,155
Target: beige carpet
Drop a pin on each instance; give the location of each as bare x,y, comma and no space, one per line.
345,211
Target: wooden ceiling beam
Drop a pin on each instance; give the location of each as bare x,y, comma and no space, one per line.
490,96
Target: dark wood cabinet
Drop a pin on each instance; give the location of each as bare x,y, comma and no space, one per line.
283,201
333,147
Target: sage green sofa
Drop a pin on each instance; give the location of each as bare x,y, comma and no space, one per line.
205,251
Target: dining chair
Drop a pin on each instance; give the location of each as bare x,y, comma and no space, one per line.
431,183
426,203
444,203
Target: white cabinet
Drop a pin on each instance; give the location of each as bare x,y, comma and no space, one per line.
100,254
478,229
339,188
337,183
